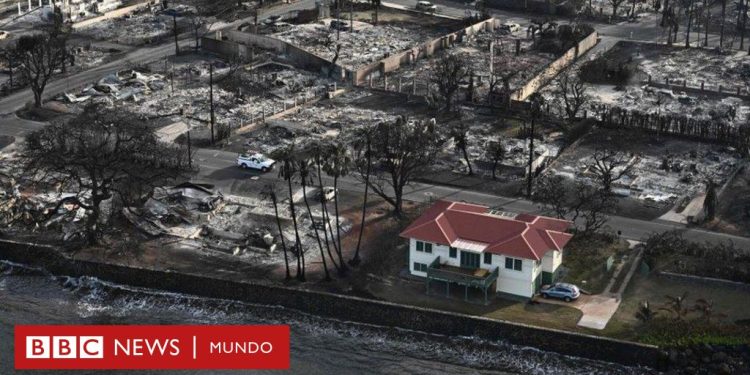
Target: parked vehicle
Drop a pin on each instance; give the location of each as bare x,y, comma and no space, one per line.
327,194
339,25
510,27
255,161
270,20
564,291
426,6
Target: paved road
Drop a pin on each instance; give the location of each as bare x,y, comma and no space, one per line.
219,168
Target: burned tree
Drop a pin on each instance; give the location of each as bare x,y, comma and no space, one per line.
711,200
460,134
270,192
318,152
400,151
362,147
39,56
495,153
337,165
286,156
550,191
723,22
609,166
615,5
10,60
742,140
536,101
100,154
572,91
334,47
447,73
689,7
670,21
586,205
305,171
376,7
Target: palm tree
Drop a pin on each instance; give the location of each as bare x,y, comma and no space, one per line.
645,313
337,166
723,20
271,192
677,306
689,6
706,309
363,135
304,165
318,150
287,171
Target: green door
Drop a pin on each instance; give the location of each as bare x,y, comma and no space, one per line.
469,260
548,278
538,283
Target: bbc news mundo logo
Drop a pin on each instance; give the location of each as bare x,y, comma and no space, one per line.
180,347
45,347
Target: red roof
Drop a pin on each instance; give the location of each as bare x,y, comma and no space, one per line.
524,236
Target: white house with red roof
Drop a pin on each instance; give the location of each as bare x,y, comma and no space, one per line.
474,246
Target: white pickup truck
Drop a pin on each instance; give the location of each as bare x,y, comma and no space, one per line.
255,161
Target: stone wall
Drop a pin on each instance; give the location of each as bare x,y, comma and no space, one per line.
563,8
554,68
426,49
340,307
236,43
114,14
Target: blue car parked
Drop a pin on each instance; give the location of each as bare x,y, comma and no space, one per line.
563,291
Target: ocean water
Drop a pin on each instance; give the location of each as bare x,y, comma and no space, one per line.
318,345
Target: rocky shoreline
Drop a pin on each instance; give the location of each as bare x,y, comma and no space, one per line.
709,359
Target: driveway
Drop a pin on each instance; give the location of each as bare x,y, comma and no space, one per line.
597,309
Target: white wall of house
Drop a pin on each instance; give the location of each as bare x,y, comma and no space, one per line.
520,283
551,261
509,281
420,257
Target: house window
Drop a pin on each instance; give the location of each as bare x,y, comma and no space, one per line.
513,264
420,267
427,247
420,246
487,258
452,252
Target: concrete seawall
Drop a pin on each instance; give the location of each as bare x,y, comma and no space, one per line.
340,307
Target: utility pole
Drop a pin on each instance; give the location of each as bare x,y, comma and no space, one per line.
211,97
174,27
708,18
743,10
190,152
171,78
338,20
530,172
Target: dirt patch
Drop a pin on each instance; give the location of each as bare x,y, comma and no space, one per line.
585,261
654,288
